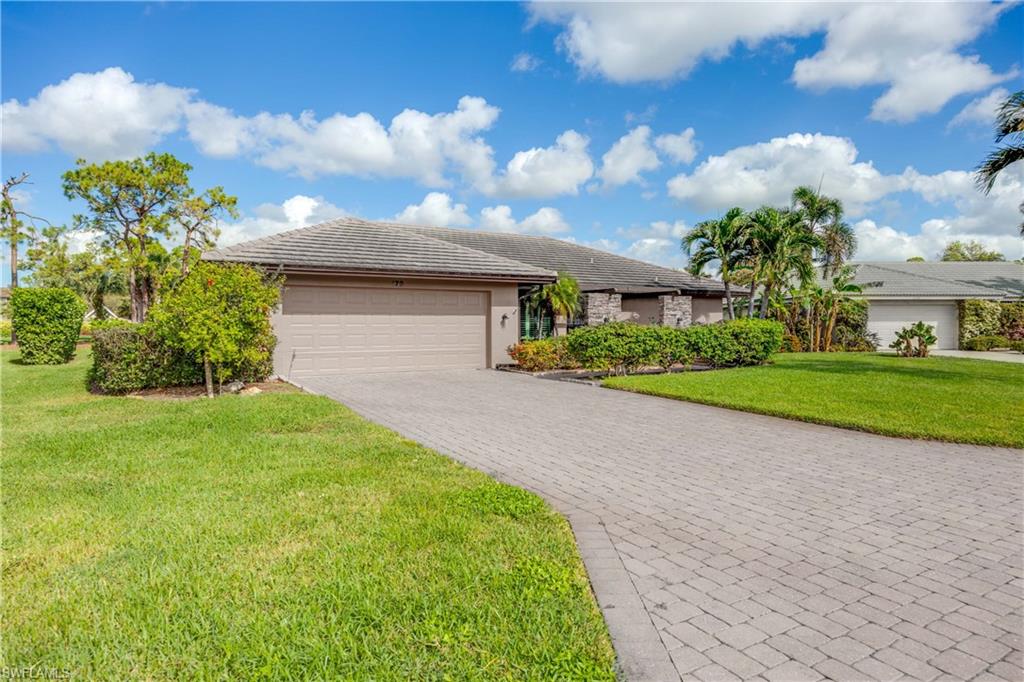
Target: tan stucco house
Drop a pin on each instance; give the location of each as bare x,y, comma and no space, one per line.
363,296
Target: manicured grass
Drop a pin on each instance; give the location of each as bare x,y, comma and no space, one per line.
950,399
277,536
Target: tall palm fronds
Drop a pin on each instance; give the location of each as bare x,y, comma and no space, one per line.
723,241
1010,134
815,208
781,251
838,243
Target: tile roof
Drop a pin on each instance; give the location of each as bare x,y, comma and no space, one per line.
594,269
939,280
352,245
355,245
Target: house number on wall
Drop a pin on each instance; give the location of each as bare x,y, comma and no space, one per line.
397,282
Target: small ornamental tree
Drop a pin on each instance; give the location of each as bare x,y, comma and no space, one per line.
47,322
221,315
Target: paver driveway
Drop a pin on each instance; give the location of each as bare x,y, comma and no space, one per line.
726,545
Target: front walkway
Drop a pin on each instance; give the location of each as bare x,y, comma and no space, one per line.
997,356
726,545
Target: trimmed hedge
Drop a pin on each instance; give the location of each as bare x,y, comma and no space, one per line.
623,347
1011,321
990,318
736,343
47,323
986,343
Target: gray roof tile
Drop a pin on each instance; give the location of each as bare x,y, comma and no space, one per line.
940,280
593,268
355,245
352,245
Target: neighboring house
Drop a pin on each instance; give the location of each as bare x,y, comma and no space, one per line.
901,294
364,296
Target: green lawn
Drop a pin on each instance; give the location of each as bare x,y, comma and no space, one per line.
277,536
963,401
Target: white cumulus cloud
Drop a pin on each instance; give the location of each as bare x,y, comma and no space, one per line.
767,172
97,116
544,171
913,49
681,148
981,110
436,209
630,156
267,219
546,221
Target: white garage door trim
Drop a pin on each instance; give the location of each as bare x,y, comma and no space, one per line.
885,318
341,330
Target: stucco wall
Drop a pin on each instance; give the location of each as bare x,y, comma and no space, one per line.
503,301
648,309
707,310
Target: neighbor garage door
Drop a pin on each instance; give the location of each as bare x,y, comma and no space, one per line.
339,330
885,318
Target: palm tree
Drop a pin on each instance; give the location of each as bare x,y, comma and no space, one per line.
838,242
781,249
842,287
1009,130
815,208
722,241
823,216
562,296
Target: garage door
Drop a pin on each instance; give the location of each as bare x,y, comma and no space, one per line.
885,318
340,330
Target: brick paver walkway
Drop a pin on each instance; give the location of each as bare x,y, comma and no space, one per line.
726,545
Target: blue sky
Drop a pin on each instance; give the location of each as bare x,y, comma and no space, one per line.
615,125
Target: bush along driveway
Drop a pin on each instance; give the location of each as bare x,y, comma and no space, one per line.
723,544
277,536
955,400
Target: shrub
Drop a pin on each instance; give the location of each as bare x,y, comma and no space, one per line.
923,334
1017,346
129,357
1011,321
5,331
851,330
617,346
791,343
220,314
737,342
623,346
978,318
541,355
987,342
47,322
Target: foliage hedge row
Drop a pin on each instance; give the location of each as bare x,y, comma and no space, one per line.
47,323
990,318
987,342
624,347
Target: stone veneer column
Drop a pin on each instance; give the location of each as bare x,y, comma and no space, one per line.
675,311
596,308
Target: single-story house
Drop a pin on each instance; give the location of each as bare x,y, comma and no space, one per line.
900,294
363,296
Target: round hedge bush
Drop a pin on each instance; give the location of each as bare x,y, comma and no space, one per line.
47,323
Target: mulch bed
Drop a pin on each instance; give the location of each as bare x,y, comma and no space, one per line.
191,392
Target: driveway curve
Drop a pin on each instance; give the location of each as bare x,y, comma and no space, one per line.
723,545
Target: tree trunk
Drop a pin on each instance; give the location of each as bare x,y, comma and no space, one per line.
764,302
133,295
184,260
750,303
831,326
728,301
14,264
208,373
